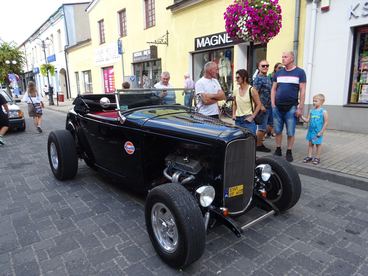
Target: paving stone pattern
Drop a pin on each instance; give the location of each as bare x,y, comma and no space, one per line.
92,226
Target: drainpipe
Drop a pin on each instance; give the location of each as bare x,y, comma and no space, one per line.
296,30
67,79
312,35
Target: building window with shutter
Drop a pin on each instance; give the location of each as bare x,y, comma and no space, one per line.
149,8
122,22
101,28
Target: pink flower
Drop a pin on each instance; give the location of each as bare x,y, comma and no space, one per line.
257,20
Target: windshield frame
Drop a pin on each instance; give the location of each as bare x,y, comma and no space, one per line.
6,96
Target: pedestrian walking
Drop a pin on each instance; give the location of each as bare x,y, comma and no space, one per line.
208,91
188,90
4,119
287,99
35,104
262,83
318,120
243,113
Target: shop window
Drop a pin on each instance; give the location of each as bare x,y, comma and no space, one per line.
149,9
87,81
359,75
224,60
148,73
101,28
122,22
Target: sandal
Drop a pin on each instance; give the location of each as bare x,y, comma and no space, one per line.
307,159
316,161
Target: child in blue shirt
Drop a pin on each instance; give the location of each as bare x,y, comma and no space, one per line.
317,119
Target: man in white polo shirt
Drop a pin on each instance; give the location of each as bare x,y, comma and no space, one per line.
209,92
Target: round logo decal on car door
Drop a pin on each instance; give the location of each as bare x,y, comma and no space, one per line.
129,147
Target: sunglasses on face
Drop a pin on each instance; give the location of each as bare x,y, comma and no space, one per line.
265,65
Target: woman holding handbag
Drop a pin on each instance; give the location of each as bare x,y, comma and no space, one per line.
243,112
35,104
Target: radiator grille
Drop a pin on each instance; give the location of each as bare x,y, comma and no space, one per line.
239,170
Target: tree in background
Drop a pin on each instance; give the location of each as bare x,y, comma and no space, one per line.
11,62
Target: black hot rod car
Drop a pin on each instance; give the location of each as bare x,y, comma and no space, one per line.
196,170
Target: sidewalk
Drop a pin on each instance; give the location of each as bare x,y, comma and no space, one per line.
344,157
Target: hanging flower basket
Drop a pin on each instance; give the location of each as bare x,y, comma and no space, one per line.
44,68
253,20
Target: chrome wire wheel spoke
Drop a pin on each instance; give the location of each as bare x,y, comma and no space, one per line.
164,227
54,156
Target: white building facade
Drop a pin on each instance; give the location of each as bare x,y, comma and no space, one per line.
336,58
68,26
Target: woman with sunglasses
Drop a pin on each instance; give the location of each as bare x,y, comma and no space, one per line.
242,104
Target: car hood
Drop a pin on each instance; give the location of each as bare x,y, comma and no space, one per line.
13,107
183,122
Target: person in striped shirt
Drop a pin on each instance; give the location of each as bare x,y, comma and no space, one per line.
287,100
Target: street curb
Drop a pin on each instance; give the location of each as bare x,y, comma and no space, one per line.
334,176
353,181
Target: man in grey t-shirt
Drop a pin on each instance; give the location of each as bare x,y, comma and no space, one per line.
209,92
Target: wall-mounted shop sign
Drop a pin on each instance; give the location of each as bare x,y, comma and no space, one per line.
51,58
358,9
107,54
36,70
212,41
142,55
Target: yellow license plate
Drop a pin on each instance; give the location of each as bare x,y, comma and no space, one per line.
236,190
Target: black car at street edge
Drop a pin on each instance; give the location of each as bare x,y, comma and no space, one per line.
196,170
16,116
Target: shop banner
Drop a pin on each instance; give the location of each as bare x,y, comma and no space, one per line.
107,54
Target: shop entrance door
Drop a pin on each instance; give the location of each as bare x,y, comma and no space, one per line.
109,79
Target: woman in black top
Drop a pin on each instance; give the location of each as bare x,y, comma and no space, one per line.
4,120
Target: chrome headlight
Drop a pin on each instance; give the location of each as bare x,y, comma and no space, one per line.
264,171
206,195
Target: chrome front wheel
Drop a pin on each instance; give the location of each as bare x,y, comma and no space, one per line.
54,156
164,227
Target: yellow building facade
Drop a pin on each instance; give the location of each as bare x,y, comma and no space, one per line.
184,36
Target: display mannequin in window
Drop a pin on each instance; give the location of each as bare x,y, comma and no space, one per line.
224,66
146,83
205,60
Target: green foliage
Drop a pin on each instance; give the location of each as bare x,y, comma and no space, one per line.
9,52
47,68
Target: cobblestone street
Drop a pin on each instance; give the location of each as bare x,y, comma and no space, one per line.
92,226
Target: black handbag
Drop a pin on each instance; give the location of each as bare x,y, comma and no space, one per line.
260,115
